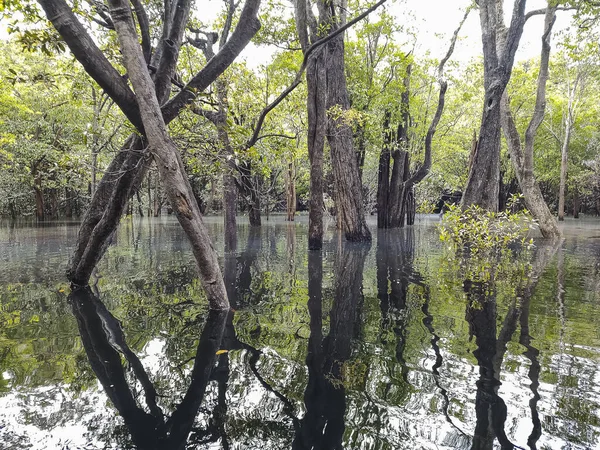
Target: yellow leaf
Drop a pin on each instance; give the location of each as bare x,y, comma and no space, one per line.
220,352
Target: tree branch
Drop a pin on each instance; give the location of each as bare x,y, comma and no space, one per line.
91,58
170,51
298,78
422,171
246,28
142,18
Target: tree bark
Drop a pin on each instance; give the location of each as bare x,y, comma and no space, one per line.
166,155
383,176
522,158
339,136
483,183
315,103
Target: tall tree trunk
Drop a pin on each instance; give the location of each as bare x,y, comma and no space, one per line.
339,136
291,191
383,176
167,157
315,84
230,196
483,183
522,156
563,170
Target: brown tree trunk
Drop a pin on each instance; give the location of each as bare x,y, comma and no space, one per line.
483,183
166,155
383,177
350,206
230,195
315,79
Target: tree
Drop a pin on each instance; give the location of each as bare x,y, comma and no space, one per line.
327,104
143,108
522,156
498,57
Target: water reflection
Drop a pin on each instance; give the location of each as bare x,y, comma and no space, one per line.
104,343
354,348
325,396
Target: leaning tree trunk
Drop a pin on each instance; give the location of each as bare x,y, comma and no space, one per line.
128,168
522,157
166,155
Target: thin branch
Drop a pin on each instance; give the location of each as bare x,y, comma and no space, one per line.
285,136
422,171
298,79
142,18
542,11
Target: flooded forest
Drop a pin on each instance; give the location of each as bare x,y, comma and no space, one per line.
299,224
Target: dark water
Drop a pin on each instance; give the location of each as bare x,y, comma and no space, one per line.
383,347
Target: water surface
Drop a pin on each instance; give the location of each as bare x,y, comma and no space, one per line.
387,346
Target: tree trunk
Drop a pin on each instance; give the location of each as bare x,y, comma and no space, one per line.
576,203
168,160
229,211
563,170
350,206
522,157
291,191
383,177
483,183
315,85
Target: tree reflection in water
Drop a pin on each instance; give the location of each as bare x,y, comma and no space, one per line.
322,426
324,417
104,343
482,317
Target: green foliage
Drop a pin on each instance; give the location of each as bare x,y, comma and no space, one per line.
485,232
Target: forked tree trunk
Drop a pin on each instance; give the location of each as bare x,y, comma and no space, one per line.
166,155
484,176
395,195
128,168
522,156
